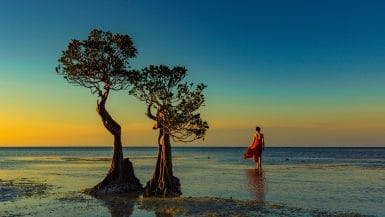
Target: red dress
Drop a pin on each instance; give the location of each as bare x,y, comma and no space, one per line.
254,150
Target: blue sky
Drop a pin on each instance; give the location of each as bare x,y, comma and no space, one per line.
294,67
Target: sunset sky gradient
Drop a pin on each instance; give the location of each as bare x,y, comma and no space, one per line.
310,73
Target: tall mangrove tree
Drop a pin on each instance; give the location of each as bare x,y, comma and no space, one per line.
101,64
173,105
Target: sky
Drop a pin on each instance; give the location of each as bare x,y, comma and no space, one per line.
310,73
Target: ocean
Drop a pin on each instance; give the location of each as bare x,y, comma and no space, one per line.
47,181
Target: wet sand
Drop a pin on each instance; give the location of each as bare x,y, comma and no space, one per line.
49,203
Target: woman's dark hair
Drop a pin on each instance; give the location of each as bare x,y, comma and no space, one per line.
258,129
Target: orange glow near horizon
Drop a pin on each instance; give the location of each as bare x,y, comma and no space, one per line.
49,134
364,129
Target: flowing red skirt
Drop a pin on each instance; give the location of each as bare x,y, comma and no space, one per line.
254,151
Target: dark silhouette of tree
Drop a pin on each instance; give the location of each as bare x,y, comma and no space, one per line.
101,64
175,104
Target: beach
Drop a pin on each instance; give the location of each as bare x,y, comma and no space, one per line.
215,182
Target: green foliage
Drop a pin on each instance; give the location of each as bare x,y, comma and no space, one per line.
176,103
100,63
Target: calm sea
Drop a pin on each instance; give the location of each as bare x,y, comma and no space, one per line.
37,181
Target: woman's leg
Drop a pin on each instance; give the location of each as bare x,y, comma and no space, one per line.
260,162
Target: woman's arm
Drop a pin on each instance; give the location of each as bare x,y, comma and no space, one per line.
263,141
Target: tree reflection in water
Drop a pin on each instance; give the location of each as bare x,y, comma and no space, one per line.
123,206
163,214
120,205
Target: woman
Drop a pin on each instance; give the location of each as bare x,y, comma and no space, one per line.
254,150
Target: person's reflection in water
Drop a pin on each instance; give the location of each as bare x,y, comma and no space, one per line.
256,183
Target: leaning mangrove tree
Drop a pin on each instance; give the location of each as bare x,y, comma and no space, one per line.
101,64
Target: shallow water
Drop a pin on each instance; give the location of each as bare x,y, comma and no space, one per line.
46,181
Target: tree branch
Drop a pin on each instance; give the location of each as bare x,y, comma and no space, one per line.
149,114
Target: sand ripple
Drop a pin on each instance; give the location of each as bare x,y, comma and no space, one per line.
10,190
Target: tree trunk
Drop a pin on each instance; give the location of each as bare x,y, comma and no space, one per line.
163,182
120,178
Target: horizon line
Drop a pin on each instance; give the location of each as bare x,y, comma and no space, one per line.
181,146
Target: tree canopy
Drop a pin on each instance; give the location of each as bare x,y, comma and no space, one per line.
176,102
100,63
